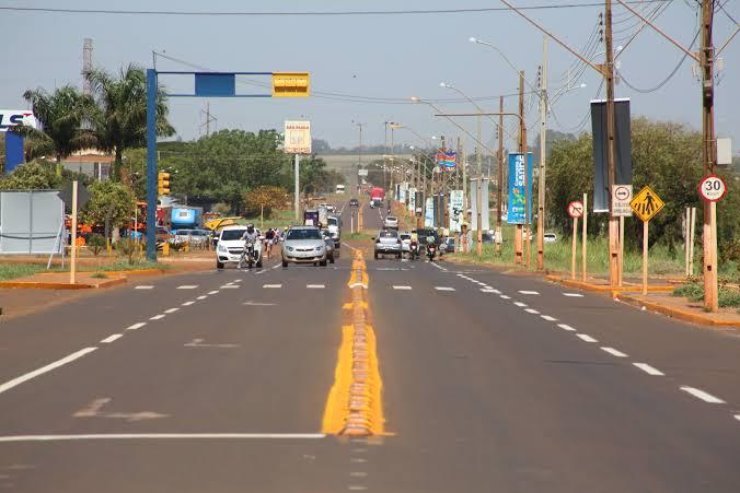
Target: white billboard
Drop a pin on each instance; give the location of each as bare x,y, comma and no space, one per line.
297,137
12,118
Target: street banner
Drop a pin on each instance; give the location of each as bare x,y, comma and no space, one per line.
622,150
429,213
297,137
446,159
517,204
474,204
456,211
412,199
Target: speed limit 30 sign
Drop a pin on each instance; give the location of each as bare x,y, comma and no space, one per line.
712,188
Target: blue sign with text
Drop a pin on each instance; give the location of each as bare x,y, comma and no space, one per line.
517,210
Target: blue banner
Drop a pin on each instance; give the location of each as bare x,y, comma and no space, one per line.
517,204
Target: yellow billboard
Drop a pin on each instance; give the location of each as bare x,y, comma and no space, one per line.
290,84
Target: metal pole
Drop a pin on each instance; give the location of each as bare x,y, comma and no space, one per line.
584,239
543,156
151,165
500,187
296,187
73,260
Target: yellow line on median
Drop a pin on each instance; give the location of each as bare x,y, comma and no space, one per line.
354,406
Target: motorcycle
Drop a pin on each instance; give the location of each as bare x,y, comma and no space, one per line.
414,250
250,256
431,250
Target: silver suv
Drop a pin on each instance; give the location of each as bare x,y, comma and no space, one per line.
387,242
304,244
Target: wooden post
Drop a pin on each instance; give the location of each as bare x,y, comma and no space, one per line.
518,254
584,238
573,249
621,250
691,242
645,256
686,234
73,260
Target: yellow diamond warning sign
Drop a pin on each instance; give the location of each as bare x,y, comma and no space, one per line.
646,204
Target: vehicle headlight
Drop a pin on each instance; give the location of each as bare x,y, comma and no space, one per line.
289,248
222,248
319,248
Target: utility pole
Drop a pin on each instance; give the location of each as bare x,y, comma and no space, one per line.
608,70
479,187
523,230
709,155
500,186
543,157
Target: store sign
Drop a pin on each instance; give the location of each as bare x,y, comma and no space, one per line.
13,118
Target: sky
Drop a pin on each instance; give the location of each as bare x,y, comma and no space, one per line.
377,61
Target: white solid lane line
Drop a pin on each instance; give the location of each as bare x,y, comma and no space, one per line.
529,292
171,310
566,327
144,287
272,286
520,304
44,369
444,288
700,394
202,297
573,295
532,311
136,326
649,369
488,290
158,317
614,352
188,286
586,337
163,436
548,318
402,288
112,338
315,286
188,303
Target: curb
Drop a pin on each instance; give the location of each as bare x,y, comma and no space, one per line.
61,285
676,313
598,288
140,272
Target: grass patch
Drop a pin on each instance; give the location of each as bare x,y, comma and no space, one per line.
13,271
726,297
692,291
123,265
99,275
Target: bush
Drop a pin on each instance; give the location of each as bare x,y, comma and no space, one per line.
728,298
128,248
692,291
96,243
695,292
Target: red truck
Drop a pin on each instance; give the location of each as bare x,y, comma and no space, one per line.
377,194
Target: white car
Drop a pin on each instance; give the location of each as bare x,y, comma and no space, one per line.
231,245
390,222
550,237
405,242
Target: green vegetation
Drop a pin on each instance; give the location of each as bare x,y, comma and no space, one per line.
358,236
13,271
728,297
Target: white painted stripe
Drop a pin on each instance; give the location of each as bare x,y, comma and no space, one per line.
171,310
45,369
532,311
505,297
278,265
444,288
229,286
144,287
112,338
566,327
163,436
272,286
188,286
188,303
487,290
354,487
614,352
315,286
402,288
202,297
649,369
158,317
358,474
529,292
548,318
573,295
215,291
520,304
238,280
700,394
586,337
737,417
136,326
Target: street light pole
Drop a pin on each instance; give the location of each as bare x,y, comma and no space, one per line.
543,157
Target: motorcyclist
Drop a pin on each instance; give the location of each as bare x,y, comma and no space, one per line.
414,243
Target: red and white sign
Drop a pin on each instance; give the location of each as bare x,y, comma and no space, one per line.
575,209
712,188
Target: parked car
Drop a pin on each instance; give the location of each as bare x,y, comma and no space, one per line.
551,237
196,238
390,222
448,245
230,246
304,244
387,242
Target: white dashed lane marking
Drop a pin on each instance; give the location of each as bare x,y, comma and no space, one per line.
272,286
700,394
520,304
532,311
488,290
402,288
111,338
157,317
188,286
614,352
315,286
188,303
136,326
144,287
229,286
504,297
171,310
649,369
202,297
529,292
586,337
215,291
566,327
573,295
444,288
548,318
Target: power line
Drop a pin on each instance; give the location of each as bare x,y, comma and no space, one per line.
61,10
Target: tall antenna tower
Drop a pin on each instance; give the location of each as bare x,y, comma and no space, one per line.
87,47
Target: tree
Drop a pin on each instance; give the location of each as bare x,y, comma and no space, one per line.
35,175
265,197
111,203
121,121
61,115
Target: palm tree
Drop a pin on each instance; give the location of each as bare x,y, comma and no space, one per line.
62,115
121,122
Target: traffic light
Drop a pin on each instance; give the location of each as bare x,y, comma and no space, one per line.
163,183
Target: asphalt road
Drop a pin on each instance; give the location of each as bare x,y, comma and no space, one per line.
219,380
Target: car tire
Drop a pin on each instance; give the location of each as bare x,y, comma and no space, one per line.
331,259
322,263
259,264
376,255
285,264
219,265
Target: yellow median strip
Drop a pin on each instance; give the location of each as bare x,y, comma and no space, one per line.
354,406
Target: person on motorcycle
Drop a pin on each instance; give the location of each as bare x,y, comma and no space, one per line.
269,241
414,244
250,237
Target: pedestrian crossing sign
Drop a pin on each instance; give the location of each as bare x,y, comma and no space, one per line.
646,204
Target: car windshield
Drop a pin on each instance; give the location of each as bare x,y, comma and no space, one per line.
232,234
304,234
332,221
405,237
388,234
